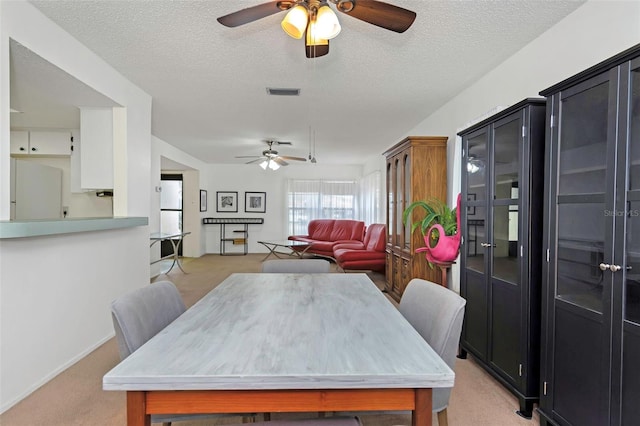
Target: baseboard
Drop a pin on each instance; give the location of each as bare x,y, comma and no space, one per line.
55,372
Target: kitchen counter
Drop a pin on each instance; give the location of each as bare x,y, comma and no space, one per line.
35,228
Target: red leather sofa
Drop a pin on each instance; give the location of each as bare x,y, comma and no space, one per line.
370,255
326,233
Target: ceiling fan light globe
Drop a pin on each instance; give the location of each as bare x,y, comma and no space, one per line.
295,22
326,23
312,38
264,165
273,165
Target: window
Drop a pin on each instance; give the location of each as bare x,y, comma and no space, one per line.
370,196
315,199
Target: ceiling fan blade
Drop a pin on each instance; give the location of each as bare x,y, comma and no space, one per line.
286,157
280,161
256,160
254,13
384,15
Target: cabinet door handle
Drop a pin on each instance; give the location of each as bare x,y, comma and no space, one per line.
34,149
604,266
615,268
22,148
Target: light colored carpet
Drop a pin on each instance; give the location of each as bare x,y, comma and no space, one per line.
75,397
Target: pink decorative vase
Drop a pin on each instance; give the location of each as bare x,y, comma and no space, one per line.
447,247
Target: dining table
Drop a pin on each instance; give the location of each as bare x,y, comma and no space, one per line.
265,343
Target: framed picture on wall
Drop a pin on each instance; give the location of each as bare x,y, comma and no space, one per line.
203,200
255,202
227,201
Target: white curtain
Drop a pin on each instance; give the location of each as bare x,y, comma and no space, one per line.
370,210
319,199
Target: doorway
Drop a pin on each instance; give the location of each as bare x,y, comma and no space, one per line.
170,210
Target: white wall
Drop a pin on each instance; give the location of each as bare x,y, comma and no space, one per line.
250,177
55,291
594,32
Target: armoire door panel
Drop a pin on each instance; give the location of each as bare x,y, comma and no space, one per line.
580,252
632,266
505,251
631,375
505,329
577,389
475,325
583,140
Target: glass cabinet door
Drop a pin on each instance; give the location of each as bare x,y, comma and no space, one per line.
390,202
406,159
632,282
582,179
506,177
399,239
475,216
477,160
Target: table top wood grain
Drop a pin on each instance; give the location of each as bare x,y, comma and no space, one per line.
285,331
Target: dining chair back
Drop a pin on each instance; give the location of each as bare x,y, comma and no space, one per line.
436,313
302,266
141,314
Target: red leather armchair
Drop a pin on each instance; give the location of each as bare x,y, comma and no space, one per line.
369,256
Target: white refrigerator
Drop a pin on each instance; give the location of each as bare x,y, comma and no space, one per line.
36,191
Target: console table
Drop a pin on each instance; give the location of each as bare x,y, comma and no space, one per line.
160,236
241,236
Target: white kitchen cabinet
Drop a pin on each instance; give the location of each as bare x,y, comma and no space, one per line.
19,142
96,148
40,142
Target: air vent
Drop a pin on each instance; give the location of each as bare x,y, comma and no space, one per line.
278,91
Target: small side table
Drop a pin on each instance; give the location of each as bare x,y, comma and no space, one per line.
444,269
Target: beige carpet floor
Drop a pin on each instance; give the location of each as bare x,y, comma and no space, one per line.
75,397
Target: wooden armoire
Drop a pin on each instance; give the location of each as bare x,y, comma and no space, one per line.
416,170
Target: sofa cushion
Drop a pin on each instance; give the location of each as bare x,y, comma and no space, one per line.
370,255
376,238
320,229
347,230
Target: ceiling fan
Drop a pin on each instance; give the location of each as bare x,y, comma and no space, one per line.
316,19
270,158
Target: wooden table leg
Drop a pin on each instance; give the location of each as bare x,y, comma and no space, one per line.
136,409
422,412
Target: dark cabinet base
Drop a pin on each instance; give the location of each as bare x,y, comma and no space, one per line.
525,402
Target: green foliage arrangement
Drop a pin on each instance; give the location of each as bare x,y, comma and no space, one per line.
436,211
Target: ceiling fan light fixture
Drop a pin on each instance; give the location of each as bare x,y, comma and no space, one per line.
295,21
312,38
326,23
269,164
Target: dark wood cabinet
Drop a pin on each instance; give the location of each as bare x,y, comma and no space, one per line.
416,170
501,220
590,366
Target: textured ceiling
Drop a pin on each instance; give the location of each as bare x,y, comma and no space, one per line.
208,82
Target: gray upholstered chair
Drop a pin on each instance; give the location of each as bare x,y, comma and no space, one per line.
141,314
436,313
303,266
